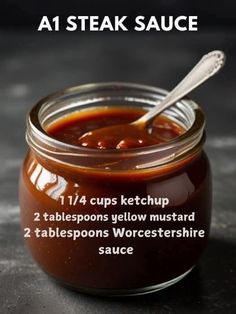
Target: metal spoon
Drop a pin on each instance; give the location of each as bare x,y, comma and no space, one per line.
208,66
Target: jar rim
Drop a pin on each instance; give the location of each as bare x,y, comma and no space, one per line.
38,138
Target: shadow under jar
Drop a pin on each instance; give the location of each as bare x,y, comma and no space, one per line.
56,174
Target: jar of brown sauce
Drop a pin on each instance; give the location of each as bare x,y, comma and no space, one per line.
129,216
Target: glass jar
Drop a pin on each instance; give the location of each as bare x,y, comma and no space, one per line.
57,178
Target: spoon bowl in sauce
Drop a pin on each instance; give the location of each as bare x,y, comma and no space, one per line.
129,135
137,133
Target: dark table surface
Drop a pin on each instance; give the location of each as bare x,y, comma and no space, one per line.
33,65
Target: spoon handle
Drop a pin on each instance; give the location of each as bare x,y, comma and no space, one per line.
208,66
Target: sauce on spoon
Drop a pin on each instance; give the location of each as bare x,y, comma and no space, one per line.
111,128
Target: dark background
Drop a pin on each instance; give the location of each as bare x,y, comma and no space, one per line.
33,64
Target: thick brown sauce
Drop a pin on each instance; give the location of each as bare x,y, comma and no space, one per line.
73,129
155,260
